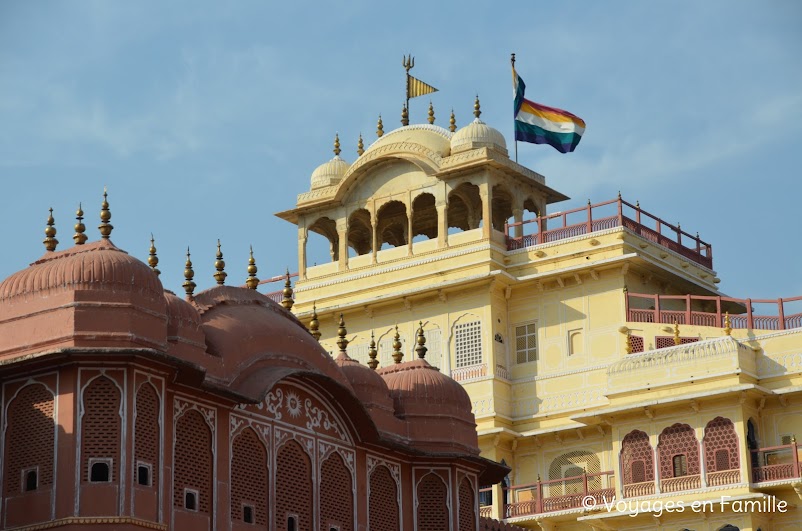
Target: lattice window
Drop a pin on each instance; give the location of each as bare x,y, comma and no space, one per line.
668,341
193,460
146,434
432,507
336,494
674,441
101,426
721,446
636,343
249,478
434,344
468,344
383,507
30,438
526,342
467,511
293,486
571,464
637,452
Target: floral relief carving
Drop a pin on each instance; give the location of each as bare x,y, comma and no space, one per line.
317,417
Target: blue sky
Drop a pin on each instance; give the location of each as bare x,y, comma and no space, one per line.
205,118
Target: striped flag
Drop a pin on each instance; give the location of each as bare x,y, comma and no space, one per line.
540,124
419,88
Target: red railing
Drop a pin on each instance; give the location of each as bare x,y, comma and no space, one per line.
277,295
592,218
776,463
485,496
704,310
559,494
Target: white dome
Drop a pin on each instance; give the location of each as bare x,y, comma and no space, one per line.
475,135
329,173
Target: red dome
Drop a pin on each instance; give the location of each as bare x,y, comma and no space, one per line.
184,332
249,332
369,387
426,398
96,265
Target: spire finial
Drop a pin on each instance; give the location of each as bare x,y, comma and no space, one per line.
220,265
727,324
50,240
336,144
452,122
397,354
360,146
379,127
105,215
677,340
79,237
189,274
287,301
404,115
153,260
421,349
477,109
372,353
342,342
252,281
431,113
314,324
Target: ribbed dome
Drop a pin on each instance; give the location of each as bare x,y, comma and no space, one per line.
432,137
329,173
478,134
422,394
96,265
183,319
369,387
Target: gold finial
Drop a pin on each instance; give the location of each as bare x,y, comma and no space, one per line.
189,274
314,324
252,281
50,240
153,260
676,333
477,108
372,353
452,122
342,342
727,324
793,439
619,195
421,349
431,113
628,344
637,204
287,301
379,127
79,237
105,215
219,264
336,144
360,146
404,115
397,354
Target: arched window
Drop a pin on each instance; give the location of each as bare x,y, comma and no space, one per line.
293,491
327,228
392,224
424,218
249,488
432,503
501,207
679,451
383,512
637,464
464,210
360,233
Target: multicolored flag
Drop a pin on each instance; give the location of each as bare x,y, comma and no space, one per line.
540,124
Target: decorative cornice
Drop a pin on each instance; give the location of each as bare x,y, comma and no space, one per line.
679,354
92,520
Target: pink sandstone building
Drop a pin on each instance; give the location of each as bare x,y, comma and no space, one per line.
126,407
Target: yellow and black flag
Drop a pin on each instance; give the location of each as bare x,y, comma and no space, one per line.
416,88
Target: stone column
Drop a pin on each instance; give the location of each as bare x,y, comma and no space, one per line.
486,195
518,216
342,235
442,226
302,237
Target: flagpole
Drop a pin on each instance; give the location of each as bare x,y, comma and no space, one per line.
512,61
408,63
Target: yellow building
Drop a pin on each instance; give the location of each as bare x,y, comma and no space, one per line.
605,368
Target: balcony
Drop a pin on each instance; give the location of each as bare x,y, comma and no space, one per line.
703,310
558,494
469,372
776,463
607,215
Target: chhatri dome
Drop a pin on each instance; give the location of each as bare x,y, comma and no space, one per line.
331,172
478,134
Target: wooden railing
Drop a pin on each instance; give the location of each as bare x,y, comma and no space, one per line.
606,215
708,310
776,463
559,494
486,496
